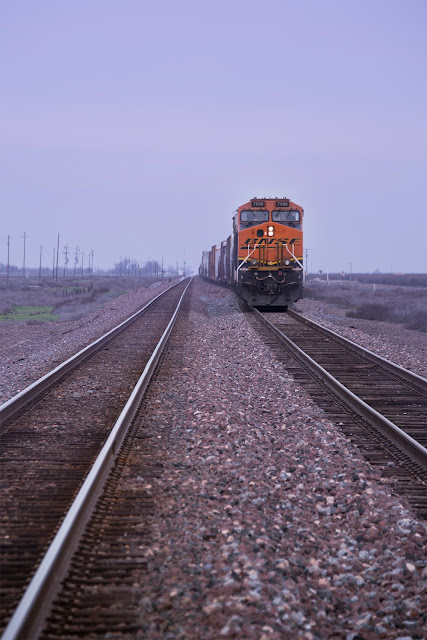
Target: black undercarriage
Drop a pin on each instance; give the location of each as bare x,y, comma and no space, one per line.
269,289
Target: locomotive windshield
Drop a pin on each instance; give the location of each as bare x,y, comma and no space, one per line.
286,216
248,217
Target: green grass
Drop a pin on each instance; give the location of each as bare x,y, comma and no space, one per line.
29,313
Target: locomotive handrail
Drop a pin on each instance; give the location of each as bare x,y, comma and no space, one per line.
248,256
293,255
285,244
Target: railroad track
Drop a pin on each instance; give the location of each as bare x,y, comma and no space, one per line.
379,405
60,439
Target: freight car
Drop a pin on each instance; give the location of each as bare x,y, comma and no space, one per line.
263,257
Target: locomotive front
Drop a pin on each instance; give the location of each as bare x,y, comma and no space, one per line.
269,252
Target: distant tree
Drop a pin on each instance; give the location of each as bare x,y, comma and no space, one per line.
151,269
128,267
12,268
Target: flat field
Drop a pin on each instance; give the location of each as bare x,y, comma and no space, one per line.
373,300
33,302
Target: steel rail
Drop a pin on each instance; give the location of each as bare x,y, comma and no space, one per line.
395,434
413,378
15,404
28,618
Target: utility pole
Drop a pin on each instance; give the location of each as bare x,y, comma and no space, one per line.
57,259
53,264
40,264
76,260
306,265
8,253
65,259
92,254
23,264
83,258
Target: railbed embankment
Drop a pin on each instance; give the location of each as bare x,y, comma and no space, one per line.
267,522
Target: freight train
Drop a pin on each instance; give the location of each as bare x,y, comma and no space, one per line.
263,257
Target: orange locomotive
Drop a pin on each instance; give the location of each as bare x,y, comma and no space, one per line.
262,259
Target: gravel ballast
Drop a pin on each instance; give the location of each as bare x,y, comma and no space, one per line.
268,523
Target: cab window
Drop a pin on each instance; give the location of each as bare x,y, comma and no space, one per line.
286,216
249,218
289,218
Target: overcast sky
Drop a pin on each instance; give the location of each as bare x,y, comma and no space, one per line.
136,127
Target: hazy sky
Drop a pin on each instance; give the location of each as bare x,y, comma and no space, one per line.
136,127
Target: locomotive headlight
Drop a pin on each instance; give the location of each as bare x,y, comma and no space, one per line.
254,262
287,263
270,230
